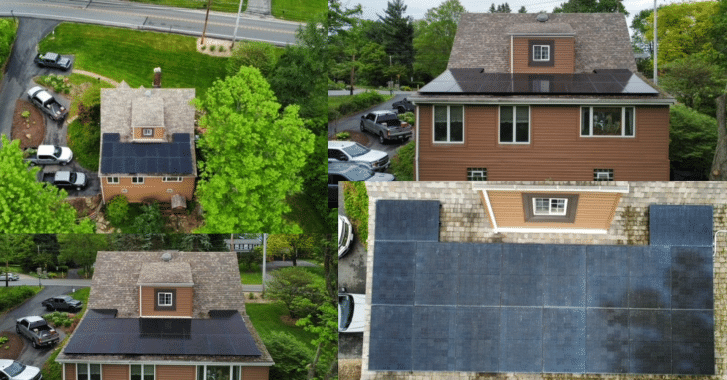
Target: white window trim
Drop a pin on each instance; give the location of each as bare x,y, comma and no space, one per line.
514,122
112,180
608,175
88,370
154,366
590,123
541,51
448,126
550,207
176,179
145,130
171,300
137,183
204,370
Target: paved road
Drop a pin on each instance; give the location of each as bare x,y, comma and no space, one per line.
125,14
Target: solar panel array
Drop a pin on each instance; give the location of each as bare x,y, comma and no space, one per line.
146,158
600,82
543,308
100,333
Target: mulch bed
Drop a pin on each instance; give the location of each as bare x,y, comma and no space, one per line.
13,347
349,369
30,131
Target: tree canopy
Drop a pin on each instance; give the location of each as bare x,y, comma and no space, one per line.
435,36
253,155
684,29
502,8
398,35
591,6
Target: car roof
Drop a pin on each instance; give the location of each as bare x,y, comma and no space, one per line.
51,56
33,318
340,144
381,112
353,170
4,363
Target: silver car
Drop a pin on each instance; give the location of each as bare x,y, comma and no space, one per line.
10,276
351,314
345,235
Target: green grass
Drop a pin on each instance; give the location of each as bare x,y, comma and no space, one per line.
85,142
297,10
90,96
252,278
304,214
13,296
217,5
266,319
81,295
131,56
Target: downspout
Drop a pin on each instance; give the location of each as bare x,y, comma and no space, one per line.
511,55
416,147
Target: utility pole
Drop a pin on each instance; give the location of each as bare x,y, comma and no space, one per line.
655,44
265,254
237,23
207,16
353,65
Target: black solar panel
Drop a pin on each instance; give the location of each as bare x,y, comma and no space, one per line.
146,158
474,81
226,334
680,225
545,308
407,220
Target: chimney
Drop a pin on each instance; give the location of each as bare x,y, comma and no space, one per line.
157,77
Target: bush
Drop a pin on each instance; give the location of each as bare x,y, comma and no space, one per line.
356,201
25,114
335,85
248,260
256,54
8,29
356,103
298,289
13,296
408,117
343,136
58,83
85,142
693,138
291,356
212,48
150,221
402,165
405,88
117,210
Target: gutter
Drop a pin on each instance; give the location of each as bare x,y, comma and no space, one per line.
541,101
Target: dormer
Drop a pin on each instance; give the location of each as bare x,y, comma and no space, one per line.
166,289
545,47
147,118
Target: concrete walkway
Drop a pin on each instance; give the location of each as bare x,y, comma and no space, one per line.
94,75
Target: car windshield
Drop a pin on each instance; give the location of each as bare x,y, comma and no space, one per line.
343,234
359,173
345,305
356,150
64,298
73,180
14,369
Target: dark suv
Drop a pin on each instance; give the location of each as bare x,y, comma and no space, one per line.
53,60
350,171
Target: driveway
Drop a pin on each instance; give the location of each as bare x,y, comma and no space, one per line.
352,276
32,356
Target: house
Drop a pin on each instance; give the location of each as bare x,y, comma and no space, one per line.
147,144
530,97
244,242
165,315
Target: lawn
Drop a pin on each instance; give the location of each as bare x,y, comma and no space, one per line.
131,56
252,278
297,10
217,5
266,319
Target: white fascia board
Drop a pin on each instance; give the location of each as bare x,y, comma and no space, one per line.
484,187
167,284
163,362
534,34
541,101
489,210
526,230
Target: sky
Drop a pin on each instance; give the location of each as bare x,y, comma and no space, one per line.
417,8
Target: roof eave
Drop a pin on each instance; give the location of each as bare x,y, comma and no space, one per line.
439,99
534,34
167,284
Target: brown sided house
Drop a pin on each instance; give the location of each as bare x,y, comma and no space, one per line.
165,316
147,143
538,97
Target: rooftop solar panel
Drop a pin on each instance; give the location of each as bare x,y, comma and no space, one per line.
680,225
407,220
146,158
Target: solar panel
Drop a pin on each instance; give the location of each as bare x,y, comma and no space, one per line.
407,220
146,158
680,225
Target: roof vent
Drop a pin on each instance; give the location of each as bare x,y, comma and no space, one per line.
167,256
148,93
542,17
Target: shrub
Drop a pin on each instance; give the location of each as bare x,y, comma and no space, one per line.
356,103
291,356
150,221
204,47
256,54
117,210
405,88
299,290
85,141
4,339
25,114
693,138
408,117
402,165
248,260
356,201
222,49
13,296
212,48
251,296
59,83
343,136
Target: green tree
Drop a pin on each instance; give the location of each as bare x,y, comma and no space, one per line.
398,36
694,82
522,10
492,8
8,29
300,291
435,36
294,244
28,206
326,341
15,248
693,138
719,31
503,8
254,155
290,355
684,29
81,249
252,53
150,221
591,6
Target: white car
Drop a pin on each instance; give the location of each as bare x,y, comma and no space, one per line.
349,151
12,370
345,235
351,316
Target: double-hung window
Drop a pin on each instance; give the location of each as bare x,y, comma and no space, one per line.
85,371
449,124
541,53
549,206
137,180
164,299
607,121
514,124
142,372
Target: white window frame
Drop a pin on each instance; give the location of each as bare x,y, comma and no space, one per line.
623,119
172,179
449,119
88,370
137,180
112,180
547,49
147,132
171,299
550,207
603,174
204,370
514,125
153,366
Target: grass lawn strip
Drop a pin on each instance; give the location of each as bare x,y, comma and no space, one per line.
266,319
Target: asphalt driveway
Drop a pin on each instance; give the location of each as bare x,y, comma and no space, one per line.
352,276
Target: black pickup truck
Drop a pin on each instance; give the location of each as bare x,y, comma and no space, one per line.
66,179
62,303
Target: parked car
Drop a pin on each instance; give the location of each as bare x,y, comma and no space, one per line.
62,303
53,60
351,314
345,235
12,370
37,330
350,171
66,179
51,155
386,125
403,106
47,103
10,276
349,151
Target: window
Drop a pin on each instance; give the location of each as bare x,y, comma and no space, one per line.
85,371
477,174
514,124
218,372
137,180
148,131
541,52
603,174
337,155
82,371
112,180
142,372
172,179
607,121
165,299
549,206
449,124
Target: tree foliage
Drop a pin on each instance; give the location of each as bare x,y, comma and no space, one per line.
252,53
397,32
435,36
326,341
502,8
684,29
694,82
693,139
81,248
294,244
254,155
14,248
591,6
300,291
522,10
8,30
290,355
29,206
719,31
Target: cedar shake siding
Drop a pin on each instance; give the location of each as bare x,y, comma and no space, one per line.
114,372
176,372
562,54
592,210
183,302
556,150
255,373
152,188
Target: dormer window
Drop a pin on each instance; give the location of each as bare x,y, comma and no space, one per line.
165,299
148,132
541,53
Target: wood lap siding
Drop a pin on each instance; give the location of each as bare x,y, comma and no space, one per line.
115,371
563,55
70,371
183,302
152,188
176,372
255,373
556,150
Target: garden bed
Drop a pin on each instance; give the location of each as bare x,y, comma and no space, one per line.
29,129
12,347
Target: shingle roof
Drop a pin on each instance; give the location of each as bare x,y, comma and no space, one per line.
165,273
601,39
